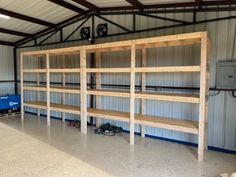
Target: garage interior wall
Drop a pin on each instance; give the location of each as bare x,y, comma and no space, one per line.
6,70
222,115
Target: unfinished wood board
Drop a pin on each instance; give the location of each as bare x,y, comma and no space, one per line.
143,87
108,70
34,70
61,70
98,86
48,89
132,93
203,94
54,107
83,86
166,69
167,123
184,98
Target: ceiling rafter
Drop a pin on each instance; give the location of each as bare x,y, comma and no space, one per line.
136,4
46,31
68,6
16,33
173,5
26,18
87,4
7,43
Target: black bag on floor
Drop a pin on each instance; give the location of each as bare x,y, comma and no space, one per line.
108,130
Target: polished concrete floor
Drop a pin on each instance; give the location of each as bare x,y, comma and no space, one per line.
31,149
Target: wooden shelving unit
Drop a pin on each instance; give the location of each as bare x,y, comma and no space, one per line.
199,128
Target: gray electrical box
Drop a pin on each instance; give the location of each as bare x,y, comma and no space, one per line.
225,74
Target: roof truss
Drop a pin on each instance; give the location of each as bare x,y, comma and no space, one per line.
68,6
136,4
26,18
87,4
16,33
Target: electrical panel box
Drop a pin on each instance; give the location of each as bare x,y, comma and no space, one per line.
226,74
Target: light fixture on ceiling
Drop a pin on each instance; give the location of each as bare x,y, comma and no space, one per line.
4,16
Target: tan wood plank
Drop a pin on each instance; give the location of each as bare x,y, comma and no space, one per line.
184,98
143,87
108,70
106,114
168,123
203,93
61,70
48,89
38,93
83,86
111,93
34,70
98,86
132,92
54,107
167,69
63,79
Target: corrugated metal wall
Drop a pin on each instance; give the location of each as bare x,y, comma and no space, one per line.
222,117
6,70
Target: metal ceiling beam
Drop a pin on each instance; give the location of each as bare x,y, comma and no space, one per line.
16,33
68,6
173,5
46,31
7,43
87,4
199,3
163,18
26,18
136,4
113,23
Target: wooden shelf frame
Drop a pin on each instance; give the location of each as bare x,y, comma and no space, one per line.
199,128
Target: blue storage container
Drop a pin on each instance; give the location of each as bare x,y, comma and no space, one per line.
10,102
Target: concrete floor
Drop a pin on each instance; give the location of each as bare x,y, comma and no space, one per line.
30,149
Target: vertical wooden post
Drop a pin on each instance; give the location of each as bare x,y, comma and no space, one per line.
144,64
48,88
63,78
38,92
98,85
207,91
83,91
22,84
203,95
132,92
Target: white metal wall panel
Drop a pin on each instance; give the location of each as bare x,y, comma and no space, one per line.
6,70
222,117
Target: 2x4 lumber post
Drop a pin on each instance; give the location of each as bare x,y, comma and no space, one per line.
132,92
203,94
143,87
98,85
83,92
63,78
38,93
207,91
22,84
48,88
